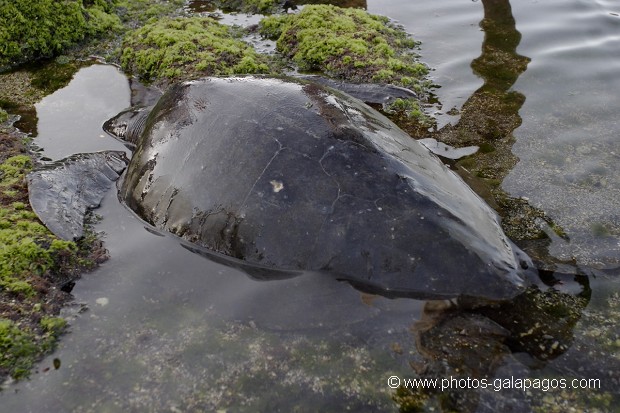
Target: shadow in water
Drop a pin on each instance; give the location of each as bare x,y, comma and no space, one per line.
475,349
492,111
254,271
488,119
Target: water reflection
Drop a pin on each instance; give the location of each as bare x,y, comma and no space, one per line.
489,342
491,113
68,126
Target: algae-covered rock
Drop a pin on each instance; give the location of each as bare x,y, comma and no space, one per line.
346,43
134,13
187,47
267,7
249,6
30,29
37,270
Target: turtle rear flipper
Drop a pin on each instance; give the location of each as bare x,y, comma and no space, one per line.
61,193
369,93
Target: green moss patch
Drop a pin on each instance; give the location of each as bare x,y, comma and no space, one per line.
35,267
20,347
346,43
187,47
28,253
249,6
137,12
27,248
30,29
411,110
17,349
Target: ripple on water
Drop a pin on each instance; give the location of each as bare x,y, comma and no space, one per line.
568,142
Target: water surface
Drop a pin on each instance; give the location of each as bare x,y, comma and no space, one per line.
70,119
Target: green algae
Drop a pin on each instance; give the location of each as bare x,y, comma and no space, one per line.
411,110
54,325
17,348
34,266
29,30
347,43
20,347
135,13
249,6
27,248
176,48
13,169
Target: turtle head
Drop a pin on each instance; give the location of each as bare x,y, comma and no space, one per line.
128,125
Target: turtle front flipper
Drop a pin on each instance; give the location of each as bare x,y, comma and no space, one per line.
128,125
61,193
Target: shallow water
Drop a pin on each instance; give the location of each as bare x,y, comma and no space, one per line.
158,328
70,119
569,143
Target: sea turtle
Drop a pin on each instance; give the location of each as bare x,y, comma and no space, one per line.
282,175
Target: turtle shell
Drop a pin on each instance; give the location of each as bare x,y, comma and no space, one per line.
291,175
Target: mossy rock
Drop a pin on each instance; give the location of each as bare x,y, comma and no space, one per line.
27,248
34,266
137,12
249,6
20,348
17,348
410,111
31,29
176,48
347,43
